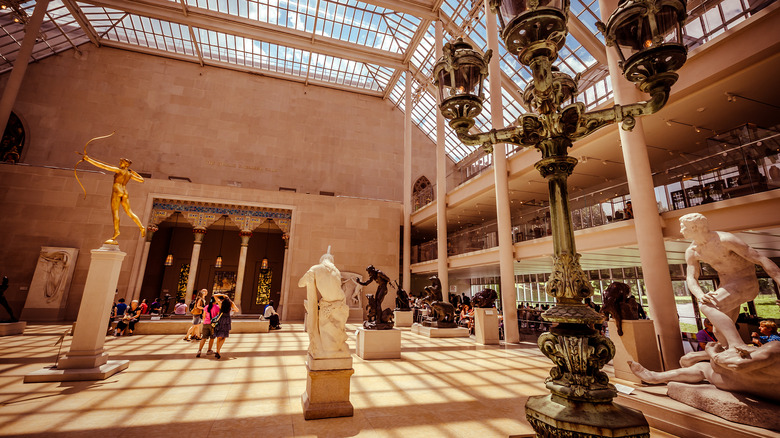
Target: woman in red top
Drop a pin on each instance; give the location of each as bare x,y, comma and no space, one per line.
206,331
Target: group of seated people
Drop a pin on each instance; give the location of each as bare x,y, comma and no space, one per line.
529,317
767,332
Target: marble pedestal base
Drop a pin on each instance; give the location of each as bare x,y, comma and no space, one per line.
378,344
486,326
327,391
552,416
732,406
638,343
434,332
403,318
102,372
12,328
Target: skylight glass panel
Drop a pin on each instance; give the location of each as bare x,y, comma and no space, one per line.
151,33
588,13
345,20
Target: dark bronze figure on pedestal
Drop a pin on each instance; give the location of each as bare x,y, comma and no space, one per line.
377,319
442,314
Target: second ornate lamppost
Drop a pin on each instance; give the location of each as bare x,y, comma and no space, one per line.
647,35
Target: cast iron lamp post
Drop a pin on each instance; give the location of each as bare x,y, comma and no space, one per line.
647,35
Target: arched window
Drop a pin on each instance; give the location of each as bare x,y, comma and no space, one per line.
422,193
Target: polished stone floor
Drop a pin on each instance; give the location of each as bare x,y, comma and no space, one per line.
439,388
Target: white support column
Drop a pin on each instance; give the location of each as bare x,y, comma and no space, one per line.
198,233
139,280
441,185
407,186
245,236
505,248
655,266
31,31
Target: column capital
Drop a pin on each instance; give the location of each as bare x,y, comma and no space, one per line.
150,230
199,234
245,236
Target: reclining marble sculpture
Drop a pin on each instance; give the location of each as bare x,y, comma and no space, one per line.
728,364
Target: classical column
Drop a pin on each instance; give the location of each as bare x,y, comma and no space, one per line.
245,235
198,233
505,248
441,185
139,280
285,282
652,252
407,185
31,31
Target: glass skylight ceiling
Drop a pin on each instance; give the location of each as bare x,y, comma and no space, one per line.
345,44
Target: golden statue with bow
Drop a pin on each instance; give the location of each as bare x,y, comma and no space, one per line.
119,195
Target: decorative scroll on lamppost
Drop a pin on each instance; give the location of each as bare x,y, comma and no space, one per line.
647,34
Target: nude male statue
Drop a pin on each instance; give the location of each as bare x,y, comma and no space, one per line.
119,195
735,262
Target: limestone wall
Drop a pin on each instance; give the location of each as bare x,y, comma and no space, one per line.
215,126
45,207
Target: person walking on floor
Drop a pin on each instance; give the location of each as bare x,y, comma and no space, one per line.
222,329
206,330
193,333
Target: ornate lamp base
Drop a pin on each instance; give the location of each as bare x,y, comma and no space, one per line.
552,416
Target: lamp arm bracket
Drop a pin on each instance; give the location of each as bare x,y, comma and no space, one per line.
511,134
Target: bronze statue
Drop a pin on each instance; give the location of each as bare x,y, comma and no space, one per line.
619,302
119,195
485,299
4,302
377,319
442,313
401,298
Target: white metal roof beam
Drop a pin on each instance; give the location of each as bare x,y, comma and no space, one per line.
589,41
418,9
237,67
78,15
252,29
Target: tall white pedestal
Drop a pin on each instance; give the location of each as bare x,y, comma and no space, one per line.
486,326
638,343
403,318
86,359
327,388
378,344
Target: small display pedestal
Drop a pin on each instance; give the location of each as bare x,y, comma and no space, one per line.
436,332
486,326
638,343
327,388
378,344
12,328
403,318
86,359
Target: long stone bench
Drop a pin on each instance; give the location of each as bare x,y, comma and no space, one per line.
179,324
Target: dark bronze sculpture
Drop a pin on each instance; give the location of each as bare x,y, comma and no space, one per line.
619,302
377,319
485,299
401,299
442,313
4,302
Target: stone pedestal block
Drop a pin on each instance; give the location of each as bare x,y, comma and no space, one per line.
327,390
403,318
86,351
378,344
638,343
12,328
486,326
434,332
732,406
553,416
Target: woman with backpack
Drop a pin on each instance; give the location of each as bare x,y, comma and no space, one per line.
207,330
196,309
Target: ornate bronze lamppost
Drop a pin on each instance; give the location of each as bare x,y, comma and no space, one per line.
647,35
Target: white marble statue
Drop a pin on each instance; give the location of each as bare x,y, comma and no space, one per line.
352,289
326,317
729,363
